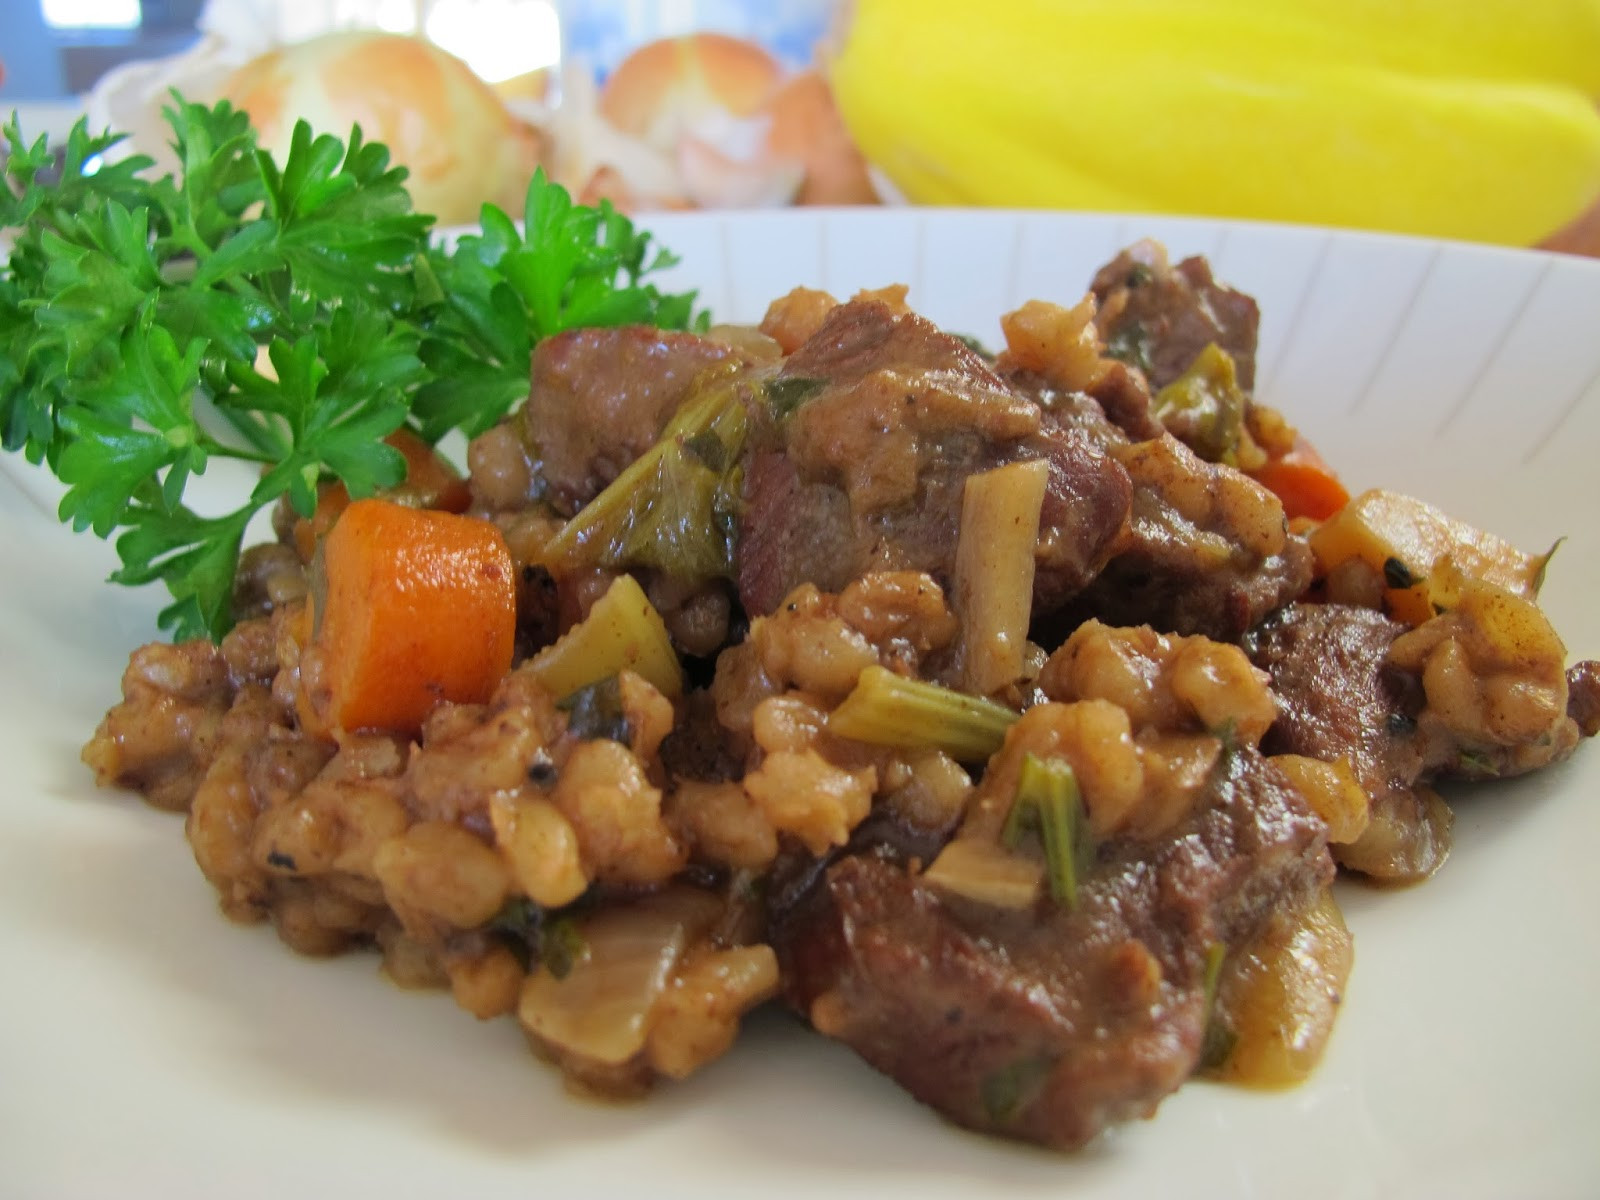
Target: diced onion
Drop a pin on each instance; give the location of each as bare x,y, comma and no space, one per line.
600,1009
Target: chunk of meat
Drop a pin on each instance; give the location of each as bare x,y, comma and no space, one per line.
1326,665
867,473
1209,551
1158,317
1055,355
600,397
1583,696
1083,519
1206,549
791,532
864,336
1124,397
1052,1024
1336,700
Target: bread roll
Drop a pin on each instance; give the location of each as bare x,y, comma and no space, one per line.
461,144
739,130
806,127
667,88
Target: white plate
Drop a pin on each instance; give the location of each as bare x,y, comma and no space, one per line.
149,1048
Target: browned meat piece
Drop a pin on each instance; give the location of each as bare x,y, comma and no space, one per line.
1081,430
1208,552
1326,665
1159,317
1404,706
865,336
797,530
1116,409
1083,519
1337,701
699,748
600,397
792,532
867,473
1583,696
1162,582
1125,398
1051,1025
1206,549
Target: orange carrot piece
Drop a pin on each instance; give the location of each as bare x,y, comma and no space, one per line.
430,482
418,606
1304,482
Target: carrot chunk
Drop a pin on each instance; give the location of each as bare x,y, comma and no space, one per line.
417,606
1304,482
430,482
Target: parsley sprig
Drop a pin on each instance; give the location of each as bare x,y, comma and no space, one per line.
289,315
502,292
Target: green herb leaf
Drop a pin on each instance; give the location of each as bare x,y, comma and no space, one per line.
504,292
595,712
787,393
194,556
1397,575
561,946
134,313
131,429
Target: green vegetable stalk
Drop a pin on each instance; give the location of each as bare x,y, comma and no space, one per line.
675,507
886,709
1048,801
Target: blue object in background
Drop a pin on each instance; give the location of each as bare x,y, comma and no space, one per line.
601,33
30,53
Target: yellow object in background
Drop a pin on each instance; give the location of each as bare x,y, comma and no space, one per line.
1472,120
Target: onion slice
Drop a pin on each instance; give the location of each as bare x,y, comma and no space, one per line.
600,1009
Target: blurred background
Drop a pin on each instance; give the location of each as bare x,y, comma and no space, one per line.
1417,116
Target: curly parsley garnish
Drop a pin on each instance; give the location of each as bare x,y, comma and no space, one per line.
290,315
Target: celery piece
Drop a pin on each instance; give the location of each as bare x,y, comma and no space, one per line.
623,631
675,507
1204,407
995,546
1048,800
886,709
